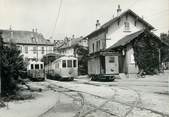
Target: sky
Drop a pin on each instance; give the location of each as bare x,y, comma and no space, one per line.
76,17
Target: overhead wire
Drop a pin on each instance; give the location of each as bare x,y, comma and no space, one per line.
57,18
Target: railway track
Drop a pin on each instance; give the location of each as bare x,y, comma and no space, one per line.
81,99
100,107
135,105
84,102
136,102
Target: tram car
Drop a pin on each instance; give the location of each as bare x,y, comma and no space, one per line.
103,67
63,68
35,70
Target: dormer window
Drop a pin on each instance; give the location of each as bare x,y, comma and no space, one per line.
126,26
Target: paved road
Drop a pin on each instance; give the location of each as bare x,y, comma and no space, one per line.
145,97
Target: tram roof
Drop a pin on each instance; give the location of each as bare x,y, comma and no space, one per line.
37,62
66,58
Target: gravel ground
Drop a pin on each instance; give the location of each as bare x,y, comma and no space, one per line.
144,97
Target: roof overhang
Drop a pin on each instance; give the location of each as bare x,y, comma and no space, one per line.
110,22
129,38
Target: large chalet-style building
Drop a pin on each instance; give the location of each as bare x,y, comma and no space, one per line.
110,45
32,44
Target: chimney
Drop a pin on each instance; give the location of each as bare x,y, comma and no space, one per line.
11,32
10,28
73,36
97,24
118,11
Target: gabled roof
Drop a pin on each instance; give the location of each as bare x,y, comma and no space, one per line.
110,22
127,39
24,37
72,43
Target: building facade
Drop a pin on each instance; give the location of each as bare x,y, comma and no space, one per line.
103,59
33,45
67,47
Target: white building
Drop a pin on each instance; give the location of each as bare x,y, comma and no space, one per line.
32,44
116,34
68,46
115,29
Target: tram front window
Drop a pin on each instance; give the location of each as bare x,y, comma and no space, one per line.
64,63
74,63
36,66
69,62
41,66
32,67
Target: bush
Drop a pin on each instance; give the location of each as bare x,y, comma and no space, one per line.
146,53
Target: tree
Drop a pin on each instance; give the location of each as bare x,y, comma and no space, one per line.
13,66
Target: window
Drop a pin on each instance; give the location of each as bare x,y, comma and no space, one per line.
34,49
43,50
63,63
135,22
93,47
103,44
50,49
111,59
26,49
99,45
32,67
36,66
126,26
69,63
74,63
41,65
